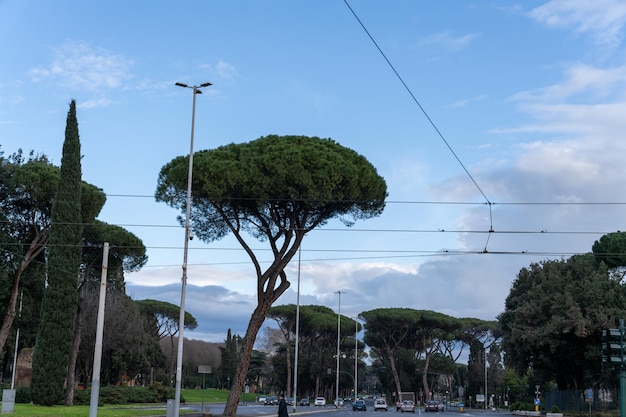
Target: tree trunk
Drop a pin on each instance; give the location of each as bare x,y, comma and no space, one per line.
317,385
267,293
425,378
247,343
71,366
289,369
78,337
172,361
394,370
36,246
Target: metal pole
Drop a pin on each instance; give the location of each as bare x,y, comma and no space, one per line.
338,350
17,341
181,318
485,378
622,373
97,354
356,357
295,366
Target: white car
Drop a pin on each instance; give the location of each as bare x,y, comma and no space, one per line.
407,406
380,404
320,401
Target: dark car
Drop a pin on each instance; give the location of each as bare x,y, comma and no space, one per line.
289,400
431,406
272,400
305,401
359,405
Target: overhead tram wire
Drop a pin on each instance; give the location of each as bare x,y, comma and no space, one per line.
382,254
539,230
432,123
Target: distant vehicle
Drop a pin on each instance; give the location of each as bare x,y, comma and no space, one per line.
431,406
262,399
359,405
320,401
289,400
272,400
441,406
338,402
380,404
407,406
305,401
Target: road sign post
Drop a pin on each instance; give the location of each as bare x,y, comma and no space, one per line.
204,369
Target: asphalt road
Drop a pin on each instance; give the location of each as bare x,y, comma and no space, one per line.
252,409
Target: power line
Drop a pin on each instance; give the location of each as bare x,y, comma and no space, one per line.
432,123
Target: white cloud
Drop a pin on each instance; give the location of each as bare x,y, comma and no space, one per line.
448,40
582,80
222,70
81,67
100,102
602,19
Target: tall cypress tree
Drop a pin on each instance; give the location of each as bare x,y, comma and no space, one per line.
55,334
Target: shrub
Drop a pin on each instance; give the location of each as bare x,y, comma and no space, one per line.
113,394
554,409
22,395
162,393
82,397
116,394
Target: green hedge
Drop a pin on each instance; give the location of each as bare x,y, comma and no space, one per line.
115,394
22,395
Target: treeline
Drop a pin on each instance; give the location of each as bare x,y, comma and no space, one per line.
549,335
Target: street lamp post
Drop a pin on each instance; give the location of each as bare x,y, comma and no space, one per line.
181,320
338,348
356,357
295,365
485,378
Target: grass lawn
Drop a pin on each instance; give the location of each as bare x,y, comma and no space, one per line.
30,410
211,395
130,410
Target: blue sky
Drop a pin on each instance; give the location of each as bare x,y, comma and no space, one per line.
528,97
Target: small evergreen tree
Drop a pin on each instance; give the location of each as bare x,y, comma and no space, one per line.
55,334
230,358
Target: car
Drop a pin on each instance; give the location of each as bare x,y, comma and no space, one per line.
338,402
359,405
262,400
380,404
320,401
305,401
407,406
272,400
441,406
289,400
431,406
